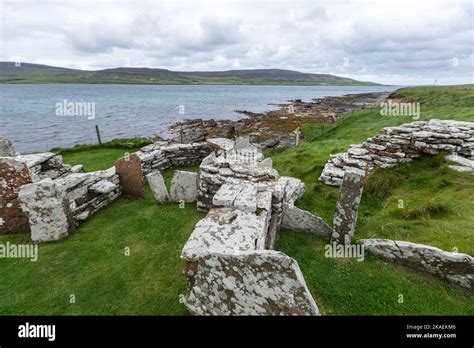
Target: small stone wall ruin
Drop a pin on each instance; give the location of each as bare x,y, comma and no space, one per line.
401,144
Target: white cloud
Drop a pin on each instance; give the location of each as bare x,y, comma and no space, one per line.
391,42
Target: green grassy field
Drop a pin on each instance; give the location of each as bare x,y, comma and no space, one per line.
91,263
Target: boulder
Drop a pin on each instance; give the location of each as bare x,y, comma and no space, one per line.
157,186
184,186
47,207
262,282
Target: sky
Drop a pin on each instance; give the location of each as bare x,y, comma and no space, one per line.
402,42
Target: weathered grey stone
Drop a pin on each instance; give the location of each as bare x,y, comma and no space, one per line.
77,168
6,148
246,199
226,194
47,208
226,231
158,186
461,169
221,145
300,220
130,174
460,160
184,186
347,206
457,268
401,144
263,282
103,186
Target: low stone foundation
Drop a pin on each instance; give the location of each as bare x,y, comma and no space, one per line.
401,144
456,268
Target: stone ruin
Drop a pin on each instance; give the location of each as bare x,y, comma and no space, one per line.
85,193
402,144
230,266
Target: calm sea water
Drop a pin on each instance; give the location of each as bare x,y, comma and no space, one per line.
29,117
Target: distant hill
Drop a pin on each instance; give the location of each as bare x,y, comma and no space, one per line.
36,73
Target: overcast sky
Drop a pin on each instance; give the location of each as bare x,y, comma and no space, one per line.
403,42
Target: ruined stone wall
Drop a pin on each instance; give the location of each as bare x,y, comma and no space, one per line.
457,268
400,144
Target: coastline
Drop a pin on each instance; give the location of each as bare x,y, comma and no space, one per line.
277,128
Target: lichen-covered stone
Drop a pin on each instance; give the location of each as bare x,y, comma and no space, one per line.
263,282
300,220
6,148
47,207
184,186
226,231
347,206
455,267
401,144
13,175
158,186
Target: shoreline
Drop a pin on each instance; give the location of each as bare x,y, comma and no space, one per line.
279,128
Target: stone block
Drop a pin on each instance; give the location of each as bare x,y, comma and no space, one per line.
130,174
184,186
158,186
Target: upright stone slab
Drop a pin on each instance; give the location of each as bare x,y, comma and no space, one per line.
184,186
347,206
47,207
6,148
158,187
264,282
300,220
13,175
130,174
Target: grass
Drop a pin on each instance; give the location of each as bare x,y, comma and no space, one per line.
436,203
91,264
369,287
98,157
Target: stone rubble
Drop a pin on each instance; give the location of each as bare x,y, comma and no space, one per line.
400,144
456,268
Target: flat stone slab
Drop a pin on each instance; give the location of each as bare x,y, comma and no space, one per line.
158,186
13,175
246,199
36,158
461,160
225,231
300,220
47,207
347,206
264,282
455,267
184,186
226,194
223,144
130,174
103,186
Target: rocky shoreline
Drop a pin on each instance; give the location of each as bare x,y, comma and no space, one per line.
276,128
